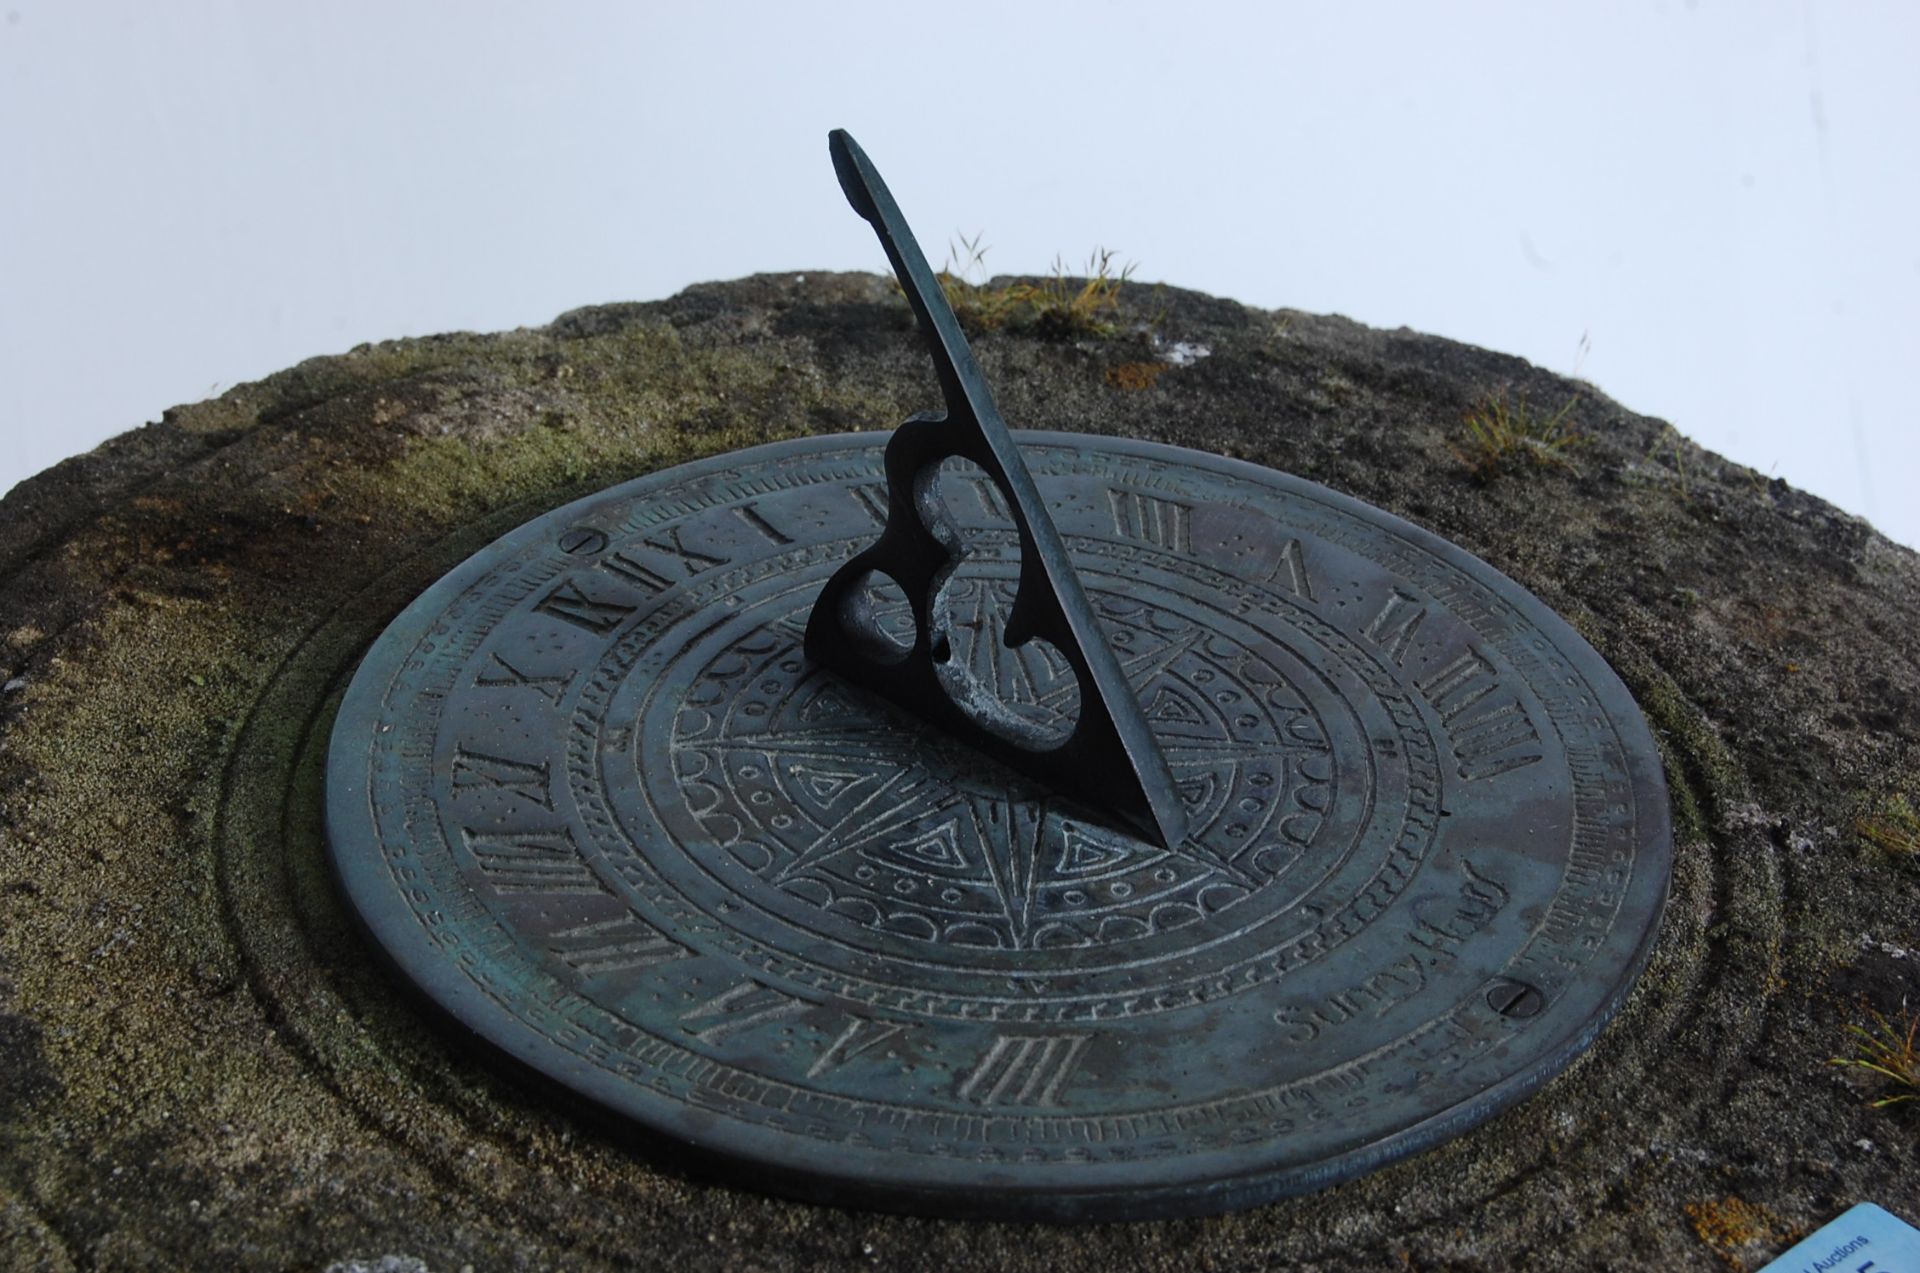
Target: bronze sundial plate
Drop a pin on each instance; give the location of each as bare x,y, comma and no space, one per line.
590,796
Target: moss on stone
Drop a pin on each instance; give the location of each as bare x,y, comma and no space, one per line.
210,1068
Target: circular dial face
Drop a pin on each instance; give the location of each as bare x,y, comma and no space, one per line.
591,796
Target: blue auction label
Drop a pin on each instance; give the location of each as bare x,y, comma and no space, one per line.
1864,1239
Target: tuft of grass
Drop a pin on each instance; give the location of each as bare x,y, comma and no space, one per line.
1894,827
1889,1050
1671,438
1503,433
1060,306
963,278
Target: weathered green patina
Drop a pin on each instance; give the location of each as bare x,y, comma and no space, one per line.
201,1064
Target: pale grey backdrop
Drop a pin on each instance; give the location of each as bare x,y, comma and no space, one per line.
1707,209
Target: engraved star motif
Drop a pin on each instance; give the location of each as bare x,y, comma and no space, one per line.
876,796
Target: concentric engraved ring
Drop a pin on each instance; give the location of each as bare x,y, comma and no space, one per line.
591,797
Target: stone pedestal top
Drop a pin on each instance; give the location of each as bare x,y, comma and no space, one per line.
202,1064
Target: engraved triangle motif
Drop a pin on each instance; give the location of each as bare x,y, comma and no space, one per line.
1173,708
826,786
1083,853
938,849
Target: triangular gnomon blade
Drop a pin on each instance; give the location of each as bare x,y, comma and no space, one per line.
1110,762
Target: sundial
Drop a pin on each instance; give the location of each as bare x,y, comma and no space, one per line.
992,823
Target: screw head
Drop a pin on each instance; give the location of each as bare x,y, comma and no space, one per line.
582,541
1515,999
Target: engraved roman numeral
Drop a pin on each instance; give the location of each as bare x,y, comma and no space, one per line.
478,769
692,558
1164,523
614,945
1392,629
748,1003
1024,1069
694,561
1459,685
1291,571
530,861
635,571
872,497
862,1035
771,533
987,492
1496,742
571,602
547,687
